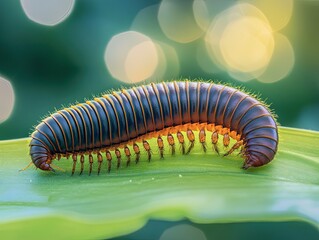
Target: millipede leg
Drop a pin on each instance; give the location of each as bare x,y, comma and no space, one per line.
91,163
136,149
171,142
234,147
173,149
137,157
226,140
202,138
216,148
160,144
128,155
204,147
161,153
74,157
215,141
183,148
100,161
191,138
23,169
118,156
191,146
109,161
149,156
242,150
147,148
82,163
181,140
128,161
56,167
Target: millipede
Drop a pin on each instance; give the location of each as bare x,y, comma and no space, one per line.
168,111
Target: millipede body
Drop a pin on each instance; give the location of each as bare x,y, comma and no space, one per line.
168,111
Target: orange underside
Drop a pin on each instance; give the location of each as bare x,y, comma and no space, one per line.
170,130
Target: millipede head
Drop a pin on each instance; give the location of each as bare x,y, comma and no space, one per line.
46,167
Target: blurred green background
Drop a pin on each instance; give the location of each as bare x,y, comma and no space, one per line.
48,66
43,67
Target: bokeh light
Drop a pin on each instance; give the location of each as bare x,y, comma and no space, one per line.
177,21
278,12
47,12
161,66
201,14
247,44
240,39
146,22
183,231
182,38
242,42
6,99
282,60
168,63
171,62
131,57
206,10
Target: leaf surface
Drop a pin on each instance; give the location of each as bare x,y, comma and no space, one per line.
204,188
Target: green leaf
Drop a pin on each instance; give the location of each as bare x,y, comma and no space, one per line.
205,188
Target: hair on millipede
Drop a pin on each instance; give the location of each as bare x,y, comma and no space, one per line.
168,110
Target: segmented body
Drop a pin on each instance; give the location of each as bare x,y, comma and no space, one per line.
156,110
